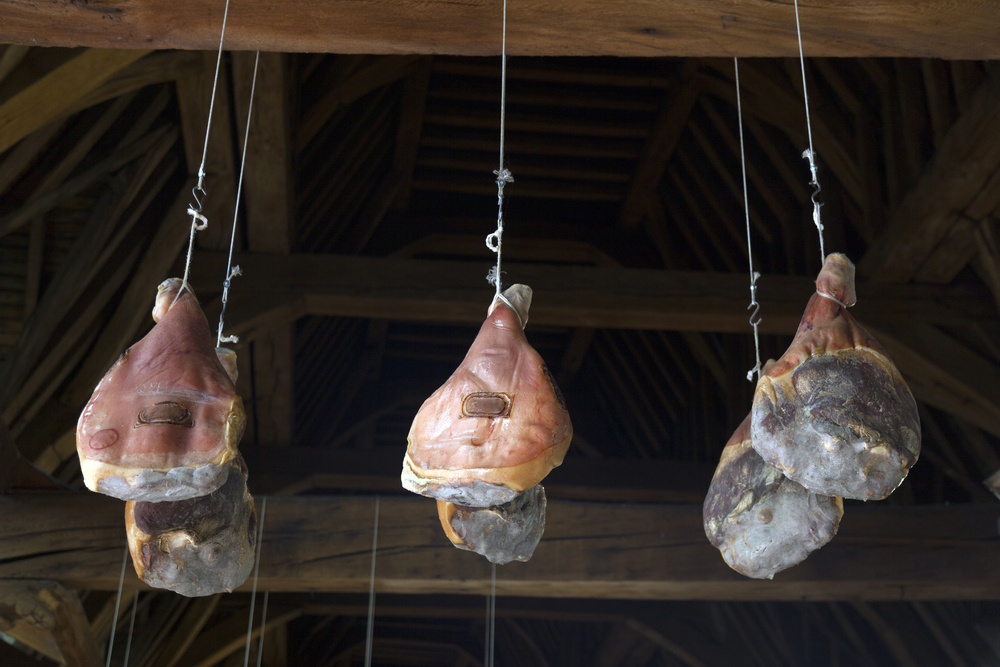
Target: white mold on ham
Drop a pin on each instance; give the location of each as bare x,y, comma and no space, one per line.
497,426
834,414
761,521
165,421
196,547
503,533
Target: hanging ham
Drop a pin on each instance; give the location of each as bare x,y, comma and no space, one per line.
165,421
760,520
503,533
834,414
497,426
199,546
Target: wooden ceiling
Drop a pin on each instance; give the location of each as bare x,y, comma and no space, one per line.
366,199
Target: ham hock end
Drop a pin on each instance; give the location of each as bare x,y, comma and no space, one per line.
497,426
165,421
761,521
199,546
503,533
834,414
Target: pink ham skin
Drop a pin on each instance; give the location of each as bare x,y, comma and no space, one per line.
834,413
165,421
761,521
486,461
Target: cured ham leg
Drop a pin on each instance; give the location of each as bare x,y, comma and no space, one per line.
760,520
199,546
503,533
834,414
165,421
497,426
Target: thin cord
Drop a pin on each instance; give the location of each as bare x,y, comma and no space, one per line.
198,221
256,571
810,154
263,624
493,618
131,627
755,315
371,591
495,240
118,601
231,270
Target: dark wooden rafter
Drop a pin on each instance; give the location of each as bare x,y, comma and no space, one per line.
948,552
52,96
270,227
953,186
49,619
663,138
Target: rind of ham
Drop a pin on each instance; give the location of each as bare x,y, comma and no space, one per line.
196,547
165,420
834,414
503,533
760,520
497,426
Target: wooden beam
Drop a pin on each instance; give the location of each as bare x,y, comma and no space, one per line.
49,619
50,97
377,470
965,161
660,146
601,297
321,543
411,123
270,225
919,28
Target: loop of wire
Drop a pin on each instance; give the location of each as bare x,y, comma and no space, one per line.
198,221
755,317
495,240
810,154
831,297
233,271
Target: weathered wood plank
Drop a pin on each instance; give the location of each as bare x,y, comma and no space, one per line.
270,225
969,155
930,28
660,146
51,620
589,550
601,297
49,97
377,470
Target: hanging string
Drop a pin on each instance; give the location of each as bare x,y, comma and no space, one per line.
131,627
491,630
232,271
755,315
495,240
810,154
118,601
370,633
198,221
256,571
263,624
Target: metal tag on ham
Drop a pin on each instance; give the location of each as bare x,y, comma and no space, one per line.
497,426
760,520
165,421
834,414
199,546
503,533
